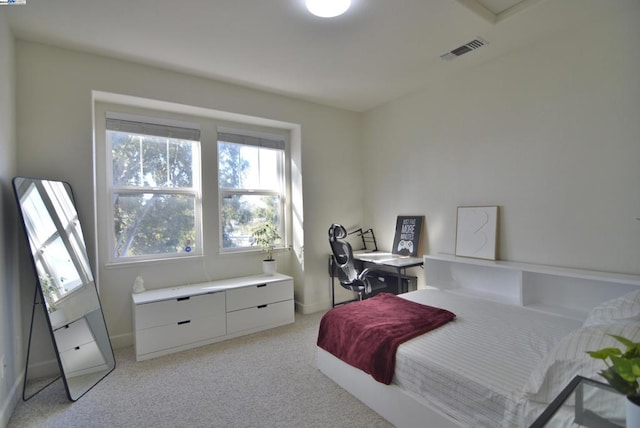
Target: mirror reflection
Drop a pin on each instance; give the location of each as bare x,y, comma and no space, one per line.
67,288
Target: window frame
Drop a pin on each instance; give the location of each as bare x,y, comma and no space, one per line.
271,140
194,191
210,121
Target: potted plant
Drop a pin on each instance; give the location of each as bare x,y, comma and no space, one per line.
623,373
265,235
49,290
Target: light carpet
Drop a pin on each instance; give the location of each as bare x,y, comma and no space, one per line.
267,379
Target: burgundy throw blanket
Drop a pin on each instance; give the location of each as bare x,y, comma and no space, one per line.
367,334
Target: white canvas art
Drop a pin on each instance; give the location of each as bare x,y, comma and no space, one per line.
476,232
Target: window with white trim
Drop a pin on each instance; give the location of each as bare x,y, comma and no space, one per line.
153,179
251,187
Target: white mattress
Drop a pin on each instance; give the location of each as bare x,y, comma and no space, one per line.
474,367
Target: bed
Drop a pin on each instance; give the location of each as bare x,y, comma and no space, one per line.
494,365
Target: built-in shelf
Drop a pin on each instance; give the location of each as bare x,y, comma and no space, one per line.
562,291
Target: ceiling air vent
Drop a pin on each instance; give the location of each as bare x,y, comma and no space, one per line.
471,46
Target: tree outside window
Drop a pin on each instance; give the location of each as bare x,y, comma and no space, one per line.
154,190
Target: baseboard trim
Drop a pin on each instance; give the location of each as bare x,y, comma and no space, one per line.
310,309
44,369
121,340
15,394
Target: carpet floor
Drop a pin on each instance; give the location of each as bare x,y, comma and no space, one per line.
267,379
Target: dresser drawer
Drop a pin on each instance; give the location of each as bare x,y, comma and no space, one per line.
256,295
72,335
260,317
176,310
82,359
174,319
181,333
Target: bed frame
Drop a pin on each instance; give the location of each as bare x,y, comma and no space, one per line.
560,291
400,407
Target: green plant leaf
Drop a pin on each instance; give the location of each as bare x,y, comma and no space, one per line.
628,369
626,342
623,371
633,351
618,383
265,235
603,354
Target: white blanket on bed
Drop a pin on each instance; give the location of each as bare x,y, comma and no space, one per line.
467,368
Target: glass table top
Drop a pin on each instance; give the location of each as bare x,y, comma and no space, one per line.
585,403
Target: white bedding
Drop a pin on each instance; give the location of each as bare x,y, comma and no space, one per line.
468,368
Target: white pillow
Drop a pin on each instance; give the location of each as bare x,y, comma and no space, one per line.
621,310
569,358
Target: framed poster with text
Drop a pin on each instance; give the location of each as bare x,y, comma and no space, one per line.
406,241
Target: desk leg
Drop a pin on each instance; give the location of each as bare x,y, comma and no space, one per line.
332,283
579,414
400,271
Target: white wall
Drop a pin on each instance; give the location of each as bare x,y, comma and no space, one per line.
55,141
10,338
550,133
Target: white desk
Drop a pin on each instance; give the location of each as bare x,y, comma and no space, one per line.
399,264
389,260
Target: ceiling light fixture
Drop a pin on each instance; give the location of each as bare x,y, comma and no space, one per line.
328,8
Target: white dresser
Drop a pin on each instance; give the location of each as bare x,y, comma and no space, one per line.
173,319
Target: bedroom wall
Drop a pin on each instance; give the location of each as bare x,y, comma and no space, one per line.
10,342
55,128
549,133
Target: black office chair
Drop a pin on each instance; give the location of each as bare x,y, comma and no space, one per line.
348,275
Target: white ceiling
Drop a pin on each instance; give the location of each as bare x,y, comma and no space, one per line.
378,51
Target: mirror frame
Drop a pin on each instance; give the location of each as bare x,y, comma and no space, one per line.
80,322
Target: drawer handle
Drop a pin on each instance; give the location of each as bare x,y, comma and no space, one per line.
180,299
262,306
261,285
184,322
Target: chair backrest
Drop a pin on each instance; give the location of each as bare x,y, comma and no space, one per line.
342,254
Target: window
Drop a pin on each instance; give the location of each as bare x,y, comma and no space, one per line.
251,184
154,180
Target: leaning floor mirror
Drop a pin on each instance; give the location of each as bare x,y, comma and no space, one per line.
66,290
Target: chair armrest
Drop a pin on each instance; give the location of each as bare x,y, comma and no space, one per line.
364,278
